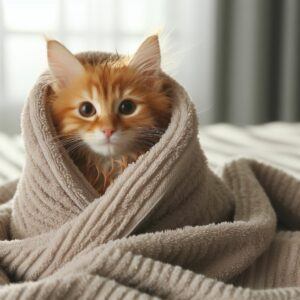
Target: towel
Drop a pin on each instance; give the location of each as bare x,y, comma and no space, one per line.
166,228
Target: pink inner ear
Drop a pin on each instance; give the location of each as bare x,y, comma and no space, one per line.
64,66
147,57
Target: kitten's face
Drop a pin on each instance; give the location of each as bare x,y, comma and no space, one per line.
115,108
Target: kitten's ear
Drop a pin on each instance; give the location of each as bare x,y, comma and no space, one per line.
64,66
147,58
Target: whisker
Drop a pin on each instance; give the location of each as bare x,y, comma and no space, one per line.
74,147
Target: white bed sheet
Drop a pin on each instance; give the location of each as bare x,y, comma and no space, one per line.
274,143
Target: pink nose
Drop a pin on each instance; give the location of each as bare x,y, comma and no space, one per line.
108,132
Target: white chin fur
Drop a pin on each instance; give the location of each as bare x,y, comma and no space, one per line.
106,149
118,145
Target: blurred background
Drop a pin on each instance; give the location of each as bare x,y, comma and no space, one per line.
238,59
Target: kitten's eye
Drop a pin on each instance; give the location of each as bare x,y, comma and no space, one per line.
87,109
127,107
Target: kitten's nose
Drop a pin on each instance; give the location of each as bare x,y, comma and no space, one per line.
108,132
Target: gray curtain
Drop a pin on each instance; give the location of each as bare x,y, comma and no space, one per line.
257,61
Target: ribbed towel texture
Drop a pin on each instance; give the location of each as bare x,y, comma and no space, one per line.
167,228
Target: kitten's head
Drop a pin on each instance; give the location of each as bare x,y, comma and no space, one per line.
116,107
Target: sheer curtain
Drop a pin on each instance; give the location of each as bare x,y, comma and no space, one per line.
106,25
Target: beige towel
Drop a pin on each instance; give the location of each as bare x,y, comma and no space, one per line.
167,228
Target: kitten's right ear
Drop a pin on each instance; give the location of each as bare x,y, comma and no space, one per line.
147,58
64,66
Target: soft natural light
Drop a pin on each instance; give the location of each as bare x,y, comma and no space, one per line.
103,25
18,15
85,25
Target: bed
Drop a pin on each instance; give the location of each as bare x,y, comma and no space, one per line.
275,143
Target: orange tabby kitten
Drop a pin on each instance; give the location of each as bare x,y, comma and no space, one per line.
108,113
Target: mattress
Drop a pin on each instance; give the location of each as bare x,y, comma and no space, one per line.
274,143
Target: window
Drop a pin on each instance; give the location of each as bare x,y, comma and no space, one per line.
81,25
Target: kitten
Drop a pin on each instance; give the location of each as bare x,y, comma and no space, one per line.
107,114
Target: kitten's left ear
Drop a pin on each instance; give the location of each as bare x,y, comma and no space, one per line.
64,66
147,58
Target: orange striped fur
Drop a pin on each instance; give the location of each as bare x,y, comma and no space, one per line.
104,142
